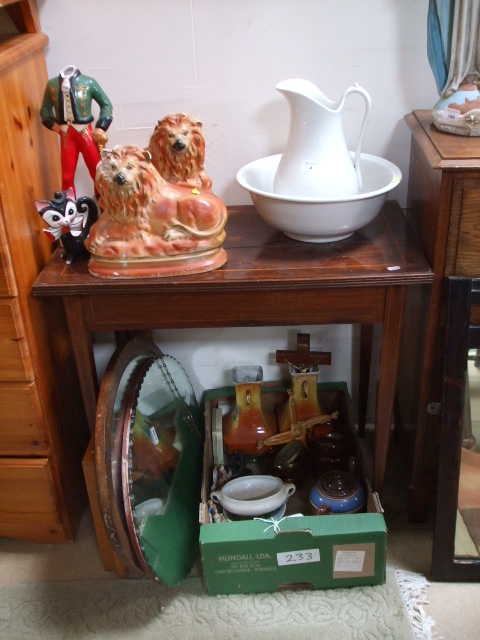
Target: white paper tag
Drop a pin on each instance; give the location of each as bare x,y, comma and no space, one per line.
153,435
452,114
298,557
351,561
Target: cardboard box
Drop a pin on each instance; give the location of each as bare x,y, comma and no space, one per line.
314,552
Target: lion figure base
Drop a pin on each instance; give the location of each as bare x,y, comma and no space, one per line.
158,267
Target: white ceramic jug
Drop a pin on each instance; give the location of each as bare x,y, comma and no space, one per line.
316,162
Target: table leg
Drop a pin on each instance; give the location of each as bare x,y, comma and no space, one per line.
83,352
366,342
389,355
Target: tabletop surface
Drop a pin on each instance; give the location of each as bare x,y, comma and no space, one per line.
385,252
452,151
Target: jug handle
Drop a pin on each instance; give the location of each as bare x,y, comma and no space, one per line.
368,106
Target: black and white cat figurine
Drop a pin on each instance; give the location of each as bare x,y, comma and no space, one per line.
69,220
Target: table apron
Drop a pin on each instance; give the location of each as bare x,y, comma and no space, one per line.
345,305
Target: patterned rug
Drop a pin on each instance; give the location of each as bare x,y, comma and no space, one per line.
143,610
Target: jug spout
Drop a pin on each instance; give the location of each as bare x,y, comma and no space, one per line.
298,88
316,162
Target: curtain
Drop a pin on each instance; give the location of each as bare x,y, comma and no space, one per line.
453,43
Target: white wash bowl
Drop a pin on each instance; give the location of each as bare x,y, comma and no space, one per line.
324,220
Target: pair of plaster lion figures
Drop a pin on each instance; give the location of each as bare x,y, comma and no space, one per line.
160,216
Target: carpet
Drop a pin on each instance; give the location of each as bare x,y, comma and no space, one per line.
143,610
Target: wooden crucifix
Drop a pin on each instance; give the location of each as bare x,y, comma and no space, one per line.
303,359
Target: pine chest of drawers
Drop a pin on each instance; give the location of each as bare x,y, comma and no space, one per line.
43,432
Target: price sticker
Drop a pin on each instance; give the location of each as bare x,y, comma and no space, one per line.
351,561
452,114
298,557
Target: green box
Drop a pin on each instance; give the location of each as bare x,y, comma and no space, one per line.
314,552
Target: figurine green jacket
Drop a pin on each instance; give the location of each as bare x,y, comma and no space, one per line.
83,91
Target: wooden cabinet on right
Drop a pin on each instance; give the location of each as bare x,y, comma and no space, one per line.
444,208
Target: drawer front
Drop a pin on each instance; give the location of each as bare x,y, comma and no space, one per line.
4,286
21,432
28,507
467,201
7,279
14,358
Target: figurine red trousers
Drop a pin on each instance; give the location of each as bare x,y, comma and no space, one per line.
73,143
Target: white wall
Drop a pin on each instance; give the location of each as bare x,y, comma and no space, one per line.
220,60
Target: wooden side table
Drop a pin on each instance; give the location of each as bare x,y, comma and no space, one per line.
268,280
444,208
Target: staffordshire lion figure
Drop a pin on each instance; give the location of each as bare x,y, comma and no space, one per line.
177,147
150,227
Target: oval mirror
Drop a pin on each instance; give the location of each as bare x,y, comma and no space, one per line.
150,462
